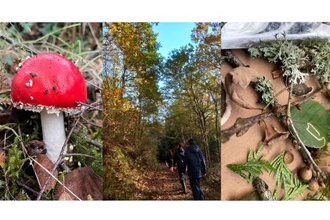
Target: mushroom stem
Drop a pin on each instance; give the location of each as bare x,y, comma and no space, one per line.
53,133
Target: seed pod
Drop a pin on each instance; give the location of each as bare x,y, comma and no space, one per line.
313,185
305,174
288,157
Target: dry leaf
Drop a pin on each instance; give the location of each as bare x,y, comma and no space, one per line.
36,147
2,158
83,183
239,79
273,135
276,73
42,167
225,105
65,197
301,89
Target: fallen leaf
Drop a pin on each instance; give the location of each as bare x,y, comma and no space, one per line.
276,73
81,183
65,197
239,79
42,167
225,105
2,158
273,135
36,147
301,89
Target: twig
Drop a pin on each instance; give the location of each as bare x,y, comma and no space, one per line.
274,98
304,99
77,154
17,135
95,143
242,124
26,187
92,106
91,123
262,189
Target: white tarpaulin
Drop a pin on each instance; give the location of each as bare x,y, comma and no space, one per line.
235,35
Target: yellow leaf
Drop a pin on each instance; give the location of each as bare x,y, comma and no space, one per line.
2,158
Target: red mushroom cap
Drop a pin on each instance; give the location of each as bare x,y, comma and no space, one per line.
48,81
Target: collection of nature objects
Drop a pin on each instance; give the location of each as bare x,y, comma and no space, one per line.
301,63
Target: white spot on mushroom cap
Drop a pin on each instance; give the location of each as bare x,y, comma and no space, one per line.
29,83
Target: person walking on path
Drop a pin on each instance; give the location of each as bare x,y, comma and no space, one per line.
169,159
196,166
180,162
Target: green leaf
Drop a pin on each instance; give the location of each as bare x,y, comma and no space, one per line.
312,123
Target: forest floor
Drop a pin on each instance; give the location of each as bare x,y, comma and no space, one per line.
161,184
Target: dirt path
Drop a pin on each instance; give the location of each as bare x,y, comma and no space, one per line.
161,184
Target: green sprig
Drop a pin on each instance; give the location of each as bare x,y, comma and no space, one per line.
253,167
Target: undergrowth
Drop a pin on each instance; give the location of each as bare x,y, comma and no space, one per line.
119,182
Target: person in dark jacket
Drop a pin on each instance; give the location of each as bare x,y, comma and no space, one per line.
196,168
180,162
169,159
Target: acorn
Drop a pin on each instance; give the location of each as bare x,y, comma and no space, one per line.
305,174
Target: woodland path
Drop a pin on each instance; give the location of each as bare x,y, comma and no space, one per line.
161,184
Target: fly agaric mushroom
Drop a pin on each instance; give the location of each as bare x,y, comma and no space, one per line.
50,84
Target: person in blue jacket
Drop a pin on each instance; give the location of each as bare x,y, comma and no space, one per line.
196,166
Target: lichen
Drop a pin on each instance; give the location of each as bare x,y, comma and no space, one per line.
265,89
297,59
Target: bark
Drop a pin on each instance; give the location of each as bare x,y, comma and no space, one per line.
262,190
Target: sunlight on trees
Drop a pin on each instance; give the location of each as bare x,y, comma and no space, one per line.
143,117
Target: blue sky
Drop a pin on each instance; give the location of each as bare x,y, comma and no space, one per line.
173,35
